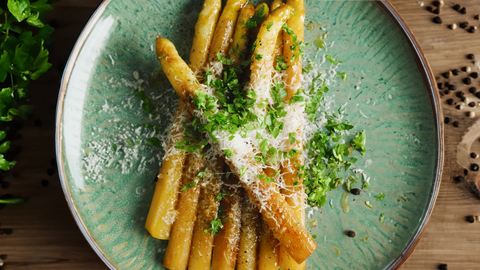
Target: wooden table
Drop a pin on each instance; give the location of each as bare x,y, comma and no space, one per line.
46,237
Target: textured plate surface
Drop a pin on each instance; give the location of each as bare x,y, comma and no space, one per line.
108,169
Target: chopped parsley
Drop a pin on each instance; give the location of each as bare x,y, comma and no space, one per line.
189,185
380,196
280,65
201,174
269,26
257,19
296,43
215,226
331,60
343,75
228,153
367,203
221,194
161,56
382,218
291,137
320,41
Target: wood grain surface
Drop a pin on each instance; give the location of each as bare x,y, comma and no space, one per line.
46,237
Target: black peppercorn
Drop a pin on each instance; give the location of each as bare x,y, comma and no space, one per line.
452,87
456,7
459,179
463,25
471,56
436,11
437,20
473,155
471,104
450,101
472,29
455,72
50,171
459,94
470,219
463,10
465,69
355,191
456,124
446,75
474,167
474,75
465,172
477,95
436,3
443,266
447,120
447,92
467,81
477,17
429,8
351,234
440,85
472,90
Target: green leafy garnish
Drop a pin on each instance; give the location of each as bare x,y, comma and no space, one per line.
380,196
382,218
215,226
359,142
280,65
221,194
12,201
189,185
343,75
368,204
228,153
320,40
331,60
269,26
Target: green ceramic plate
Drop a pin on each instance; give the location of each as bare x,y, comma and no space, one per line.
108,169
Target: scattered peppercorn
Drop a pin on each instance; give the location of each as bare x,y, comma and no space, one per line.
474,167
466,69
477,17
459,179
455,72
437,20
459,94
429,8
467,81
472,29
452,87
447,92
447,120
472,104
463,25
471,56
456,7
436,11
470,114
446,75
437,3
463,10
474,75
351,234
465,172
456,124
440,85
477,94
470,219
443,266
355,191
473,155
44,183
450,101
453,26
50,171
472,90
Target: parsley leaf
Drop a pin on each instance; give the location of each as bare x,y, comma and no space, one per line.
228,153
359,142
280,65
189,185
269,26
380,196
215,226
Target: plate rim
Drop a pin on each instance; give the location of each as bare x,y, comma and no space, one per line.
420,59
